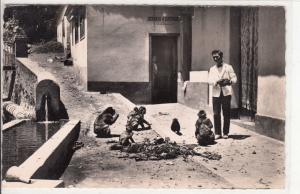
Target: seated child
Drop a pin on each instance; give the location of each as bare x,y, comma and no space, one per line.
125,138
133,113
141,120
136,118
203,133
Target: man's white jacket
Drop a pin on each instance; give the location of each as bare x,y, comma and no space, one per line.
215,75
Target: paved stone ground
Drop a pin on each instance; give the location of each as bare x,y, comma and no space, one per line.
95,166
248,160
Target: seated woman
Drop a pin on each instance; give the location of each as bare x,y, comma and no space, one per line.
203,133
103,121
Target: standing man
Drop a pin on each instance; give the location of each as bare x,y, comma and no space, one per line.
221,76
155,85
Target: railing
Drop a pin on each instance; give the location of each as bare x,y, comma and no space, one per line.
9,54
9,70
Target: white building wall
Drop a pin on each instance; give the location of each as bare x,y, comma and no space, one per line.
79,54
59,31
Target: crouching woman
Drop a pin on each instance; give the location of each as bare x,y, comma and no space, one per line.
203,133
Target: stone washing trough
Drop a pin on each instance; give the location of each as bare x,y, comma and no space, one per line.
38,143
52,147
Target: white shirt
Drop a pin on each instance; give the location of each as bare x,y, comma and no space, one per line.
217,73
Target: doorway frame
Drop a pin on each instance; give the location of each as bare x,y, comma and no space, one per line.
151,35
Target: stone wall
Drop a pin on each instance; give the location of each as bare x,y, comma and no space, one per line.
271,62
33,88
24,88
271,85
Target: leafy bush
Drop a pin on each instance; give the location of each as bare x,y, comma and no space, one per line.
11,28
51,46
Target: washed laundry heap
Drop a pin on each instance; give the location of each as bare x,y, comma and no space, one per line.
162,149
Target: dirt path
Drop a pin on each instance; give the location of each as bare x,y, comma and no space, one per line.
96,166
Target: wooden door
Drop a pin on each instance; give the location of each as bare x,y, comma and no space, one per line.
164,68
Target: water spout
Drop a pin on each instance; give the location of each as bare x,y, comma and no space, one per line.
46,118
46,109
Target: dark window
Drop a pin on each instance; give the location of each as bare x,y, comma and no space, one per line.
72,28
76,21
82,27
63,28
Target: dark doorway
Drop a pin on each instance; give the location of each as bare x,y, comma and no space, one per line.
163,65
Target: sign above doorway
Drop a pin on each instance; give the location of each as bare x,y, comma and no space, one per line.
164,20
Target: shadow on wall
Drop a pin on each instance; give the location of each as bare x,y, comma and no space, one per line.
48,103
271,42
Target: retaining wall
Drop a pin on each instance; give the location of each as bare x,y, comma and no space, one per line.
32,85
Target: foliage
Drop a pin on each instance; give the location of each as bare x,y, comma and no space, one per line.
38,21
51,46
11,28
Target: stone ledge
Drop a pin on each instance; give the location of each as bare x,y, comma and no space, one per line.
49,160
126,101
271,127
35,183
12,123
34,67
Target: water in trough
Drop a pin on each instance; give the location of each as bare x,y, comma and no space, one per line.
21,141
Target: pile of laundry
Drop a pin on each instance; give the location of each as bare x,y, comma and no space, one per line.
162,149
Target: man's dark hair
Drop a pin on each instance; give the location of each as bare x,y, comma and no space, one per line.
142,109
202,113
217,52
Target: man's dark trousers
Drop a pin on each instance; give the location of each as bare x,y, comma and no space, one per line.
224,103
